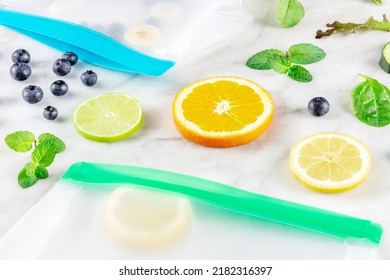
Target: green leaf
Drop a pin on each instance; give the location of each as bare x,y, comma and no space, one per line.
279,63
377,2
20,141
27,177
30,168
260,60
289,13
300,74
305,53
41,172
60,145
45,152
370,102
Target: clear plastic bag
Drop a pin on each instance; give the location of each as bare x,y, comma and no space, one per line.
166,29
69,222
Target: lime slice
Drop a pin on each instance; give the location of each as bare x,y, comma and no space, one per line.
145,218
108,117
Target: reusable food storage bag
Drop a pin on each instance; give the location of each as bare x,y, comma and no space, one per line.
150,31
224,222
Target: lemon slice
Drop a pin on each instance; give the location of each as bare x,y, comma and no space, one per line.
108,117
222,111
330,161
145,218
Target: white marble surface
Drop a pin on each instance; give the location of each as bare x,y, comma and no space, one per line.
260,166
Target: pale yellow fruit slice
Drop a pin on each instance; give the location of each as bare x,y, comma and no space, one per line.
108,117
144,218
142,35
330,161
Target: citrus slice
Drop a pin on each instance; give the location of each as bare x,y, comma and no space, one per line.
222,111
330,161
142,35
108,117
145,218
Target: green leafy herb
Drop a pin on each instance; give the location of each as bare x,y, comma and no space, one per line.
300,74
289,13
370,24
26,177
46,147
378,2
305,53
287,62
44,153
279,64
20,141
58,143
371,102
260,60
41,172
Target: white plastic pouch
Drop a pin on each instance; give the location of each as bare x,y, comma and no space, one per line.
163,29
70,222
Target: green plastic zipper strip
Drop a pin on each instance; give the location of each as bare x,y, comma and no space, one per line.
229,198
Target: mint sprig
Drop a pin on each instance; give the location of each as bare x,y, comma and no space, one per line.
46,147
288,62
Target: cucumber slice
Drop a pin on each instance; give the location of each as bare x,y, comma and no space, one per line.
385,58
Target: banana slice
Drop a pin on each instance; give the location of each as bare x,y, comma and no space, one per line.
64,7
142,35
165,11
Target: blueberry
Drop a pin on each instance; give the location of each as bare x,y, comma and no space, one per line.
318,106
61,67
59,88
89,78
32,94
20,71
50,113
20,55
71,57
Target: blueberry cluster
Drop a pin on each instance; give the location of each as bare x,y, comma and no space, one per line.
32,94
20,70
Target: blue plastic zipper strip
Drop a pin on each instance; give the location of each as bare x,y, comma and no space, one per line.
90,45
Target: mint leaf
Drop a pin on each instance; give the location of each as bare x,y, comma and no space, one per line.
289,13
305,53
41,172
20,141
370,102
45,152
279,63
300,74
26,177
31,173
60,145
260,60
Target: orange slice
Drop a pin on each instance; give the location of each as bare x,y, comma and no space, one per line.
222,111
